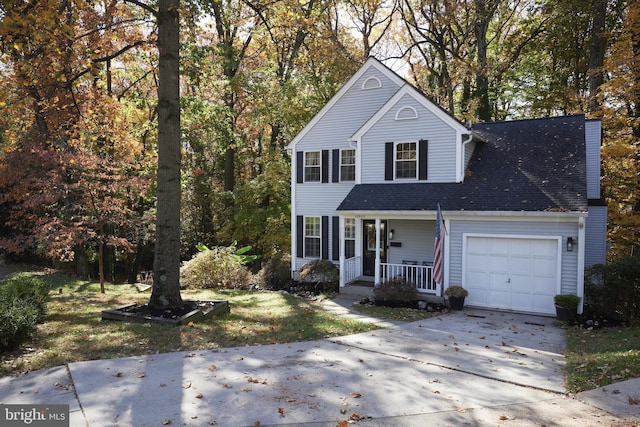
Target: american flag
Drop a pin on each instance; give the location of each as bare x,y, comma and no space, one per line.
438,248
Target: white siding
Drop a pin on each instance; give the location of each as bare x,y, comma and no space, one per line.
595,236
440,136
593,136
468,152
416,237
569,265
348,114
320,199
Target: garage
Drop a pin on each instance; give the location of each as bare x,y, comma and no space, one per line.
515,273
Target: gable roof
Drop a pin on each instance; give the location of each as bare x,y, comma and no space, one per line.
371,62
524,165
421,98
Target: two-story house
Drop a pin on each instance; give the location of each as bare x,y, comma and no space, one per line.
519,201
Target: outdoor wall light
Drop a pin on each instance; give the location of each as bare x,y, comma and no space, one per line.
391,234
570,242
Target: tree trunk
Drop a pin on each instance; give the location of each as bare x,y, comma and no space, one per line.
596,52
483,16
166,264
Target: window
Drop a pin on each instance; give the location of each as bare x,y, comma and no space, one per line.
406,160
312,237
349,238
348,165
312,166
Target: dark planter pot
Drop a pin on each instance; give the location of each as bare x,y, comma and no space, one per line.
456,303
565,314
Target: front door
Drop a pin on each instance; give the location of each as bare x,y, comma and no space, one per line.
369,245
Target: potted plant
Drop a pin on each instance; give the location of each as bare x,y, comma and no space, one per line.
566,307
456,295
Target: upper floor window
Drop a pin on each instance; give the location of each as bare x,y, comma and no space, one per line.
348,165
312,237
312,166
406,160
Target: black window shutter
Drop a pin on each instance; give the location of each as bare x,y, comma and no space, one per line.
300,236
423,149
325,166
325,237
388,161
300,167
336,237
335,167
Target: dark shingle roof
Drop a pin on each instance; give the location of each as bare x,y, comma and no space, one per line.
524,165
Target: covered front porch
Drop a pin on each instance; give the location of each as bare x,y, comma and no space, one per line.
377,249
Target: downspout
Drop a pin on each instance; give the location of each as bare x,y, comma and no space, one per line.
462,157
294,239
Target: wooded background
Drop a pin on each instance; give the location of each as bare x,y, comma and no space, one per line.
79,106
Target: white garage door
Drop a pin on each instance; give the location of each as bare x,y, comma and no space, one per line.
512,273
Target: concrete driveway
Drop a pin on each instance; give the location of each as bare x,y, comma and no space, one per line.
463,368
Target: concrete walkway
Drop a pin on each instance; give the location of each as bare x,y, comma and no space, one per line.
464,368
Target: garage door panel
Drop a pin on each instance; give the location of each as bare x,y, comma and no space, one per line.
514,273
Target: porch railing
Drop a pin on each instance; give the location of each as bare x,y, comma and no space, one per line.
352,269
421,275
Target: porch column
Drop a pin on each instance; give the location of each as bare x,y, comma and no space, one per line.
342,279
376,277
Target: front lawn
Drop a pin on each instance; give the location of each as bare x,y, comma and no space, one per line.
73,329
596,358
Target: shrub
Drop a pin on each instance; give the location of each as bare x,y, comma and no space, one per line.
218,267
396,292
275,273
28,288
569,301
18,319
320,271
23,303
613,290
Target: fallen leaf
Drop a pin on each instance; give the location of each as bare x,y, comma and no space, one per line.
213,368
191,324
252,380
166,422
503,418
225,385
186,385
199,396
355,395
119,374
343,411
256,423
194,417
281,411
212,422
633,401
246,389
342,424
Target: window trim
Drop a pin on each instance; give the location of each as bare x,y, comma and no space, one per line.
318,237
318,166
346,238
415,160
342,150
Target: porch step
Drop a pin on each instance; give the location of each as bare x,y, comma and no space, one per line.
365,291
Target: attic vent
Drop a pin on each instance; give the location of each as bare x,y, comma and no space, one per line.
371,83
406,113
